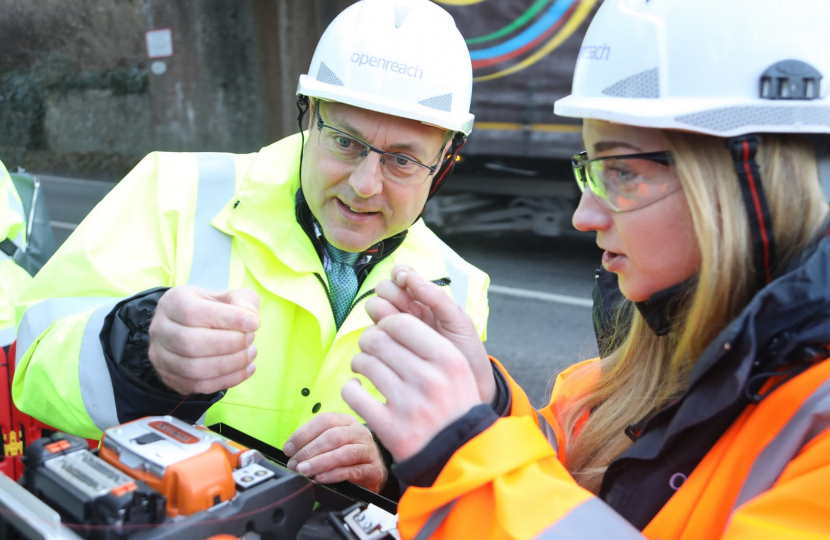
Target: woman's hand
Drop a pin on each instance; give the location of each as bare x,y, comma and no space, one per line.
410,293
427,382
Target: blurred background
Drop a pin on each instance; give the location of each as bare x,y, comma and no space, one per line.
87,87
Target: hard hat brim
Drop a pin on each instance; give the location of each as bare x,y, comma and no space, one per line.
308,86
725,117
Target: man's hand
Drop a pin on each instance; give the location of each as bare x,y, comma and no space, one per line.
334,447
410,293
202,341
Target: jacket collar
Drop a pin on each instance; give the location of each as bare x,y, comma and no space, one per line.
660,311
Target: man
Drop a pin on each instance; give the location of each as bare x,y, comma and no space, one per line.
196,265
13,278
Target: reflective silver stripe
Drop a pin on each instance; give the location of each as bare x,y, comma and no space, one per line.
96,384
591,519
41,316
212,248
459,281
6,336
435,521
547,429
30,219
812,418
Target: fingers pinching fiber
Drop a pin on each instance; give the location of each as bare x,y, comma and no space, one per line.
202,341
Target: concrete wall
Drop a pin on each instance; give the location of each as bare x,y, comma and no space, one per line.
97,121
230,84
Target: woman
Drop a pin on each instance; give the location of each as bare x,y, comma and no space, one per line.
708,415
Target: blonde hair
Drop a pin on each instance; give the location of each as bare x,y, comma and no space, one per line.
645,371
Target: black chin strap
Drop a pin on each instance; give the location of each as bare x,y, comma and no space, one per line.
743,151
302,108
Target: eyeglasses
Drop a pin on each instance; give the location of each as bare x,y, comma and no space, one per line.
397,167
629,182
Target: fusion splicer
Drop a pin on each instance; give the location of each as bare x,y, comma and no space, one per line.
156,478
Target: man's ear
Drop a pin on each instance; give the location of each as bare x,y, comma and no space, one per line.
447,145
447,164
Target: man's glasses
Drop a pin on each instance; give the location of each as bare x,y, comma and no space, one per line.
397,167
624,183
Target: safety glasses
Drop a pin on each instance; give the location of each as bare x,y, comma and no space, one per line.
628,182
396,167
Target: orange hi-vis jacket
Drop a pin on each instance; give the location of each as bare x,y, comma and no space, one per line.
743,454
768,477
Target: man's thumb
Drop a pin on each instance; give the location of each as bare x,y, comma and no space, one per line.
244,298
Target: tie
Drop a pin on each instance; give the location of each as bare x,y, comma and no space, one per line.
342,281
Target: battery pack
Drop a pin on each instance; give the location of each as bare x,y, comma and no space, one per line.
87,491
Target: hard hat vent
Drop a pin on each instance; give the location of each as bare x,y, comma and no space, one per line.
791,79
324,74
402,9
643,85
442,102
729,118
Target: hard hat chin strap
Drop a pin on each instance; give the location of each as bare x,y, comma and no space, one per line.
302,108
743,150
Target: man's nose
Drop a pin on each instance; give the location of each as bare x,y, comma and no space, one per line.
590,215
367,177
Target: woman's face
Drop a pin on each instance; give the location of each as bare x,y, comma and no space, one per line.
652,247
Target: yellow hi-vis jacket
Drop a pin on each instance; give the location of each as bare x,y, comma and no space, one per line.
177,219
13,279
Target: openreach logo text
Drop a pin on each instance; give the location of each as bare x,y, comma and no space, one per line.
381,63
594,52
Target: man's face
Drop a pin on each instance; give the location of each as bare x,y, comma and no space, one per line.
355,204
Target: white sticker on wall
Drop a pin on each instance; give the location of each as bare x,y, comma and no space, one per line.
158,67
159,43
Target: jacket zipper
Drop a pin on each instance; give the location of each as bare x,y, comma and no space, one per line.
325,288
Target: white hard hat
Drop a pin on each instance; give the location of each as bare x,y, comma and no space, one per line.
720,67
399,57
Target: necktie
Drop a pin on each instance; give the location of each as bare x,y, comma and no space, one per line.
342,281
